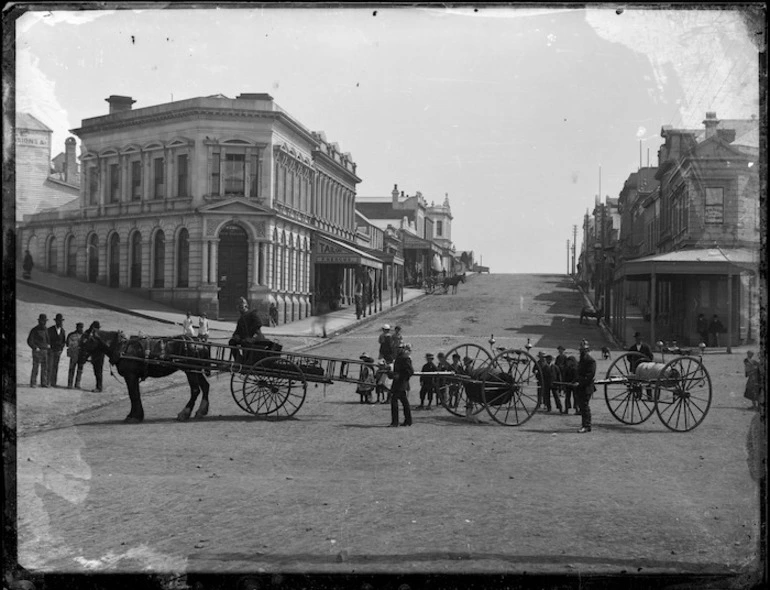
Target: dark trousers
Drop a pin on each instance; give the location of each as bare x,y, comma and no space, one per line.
39,363
98,368
395,397
555,394
568,395
75,372
426,391
54,356
583,397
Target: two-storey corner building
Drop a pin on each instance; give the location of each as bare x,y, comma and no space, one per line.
441,216
199,202
383,244
42,183
700,247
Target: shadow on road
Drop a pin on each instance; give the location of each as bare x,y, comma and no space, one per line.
191,421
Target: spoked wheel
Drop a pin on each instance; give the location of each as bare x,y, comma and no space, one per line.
459,396
237,380
683,390
274,387
631,401
510,388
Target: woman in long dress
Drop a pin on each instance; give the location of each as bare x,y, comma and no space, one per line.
752,370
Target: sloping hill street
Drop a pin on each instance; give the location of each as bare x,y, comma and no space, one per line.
333,489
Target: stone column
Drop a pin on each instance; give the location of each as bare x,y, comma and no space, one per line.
204,261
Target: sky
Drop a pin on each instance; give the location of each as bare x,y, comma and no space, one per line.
520,115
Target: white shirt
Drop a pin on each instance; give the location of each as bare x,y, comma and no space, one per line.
187,327
203,327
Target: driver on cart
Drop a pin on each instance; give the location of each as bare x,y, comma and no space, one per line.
247,331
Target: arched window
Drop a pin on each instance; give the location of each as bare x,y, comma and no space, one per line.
183,259
72,261
158,259
93,258
53,254
136,260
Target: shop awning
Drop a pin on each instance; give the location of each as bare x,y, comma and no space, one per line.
417,243
384,257
331,251
705,261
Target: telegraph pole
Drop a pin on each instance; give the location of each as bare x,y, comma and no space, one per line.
574,241
568,256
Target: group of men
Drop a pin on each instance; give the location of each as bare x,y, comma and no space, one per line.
49,342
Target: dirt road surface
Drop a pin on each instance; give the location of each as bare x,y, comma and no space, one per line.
334,490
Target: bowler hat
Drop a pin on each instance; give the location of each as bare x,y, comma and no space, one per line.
79,325
541,354
560,347
429,356
42,317
441,355
637,334
549,357
96,325
59,317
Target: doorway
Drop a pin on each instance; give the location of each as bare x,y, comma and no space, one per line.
232,268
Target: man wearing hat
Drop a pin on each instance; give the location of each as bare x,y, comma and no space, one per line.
73,352
584,385
427,384
402,371
386,344
97,357
544,382
640,347
554,375
40,345
57,338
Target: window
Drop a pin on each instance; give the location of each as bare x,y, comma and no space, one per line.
158,178
439,228
715,205
114,183
136,180
183,260
215,164
159,256
181,175
72,260
52,255
93,185
235,174
254,178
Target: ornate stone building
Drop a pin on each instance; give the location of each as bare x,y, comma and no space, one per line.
199,202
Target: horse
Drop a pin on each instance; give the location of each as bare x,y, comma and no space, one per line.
453,282
588,312
135,358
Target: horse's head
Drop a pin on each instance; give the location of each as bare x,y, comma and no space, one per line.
100,341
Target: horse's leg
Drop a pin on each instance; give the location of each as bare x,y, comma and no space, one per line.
203,409
136,415
194,391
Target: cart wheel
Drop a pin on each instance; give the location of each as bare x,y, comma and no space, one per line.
683,390
627,398
274,386
237,379
452,393
510,388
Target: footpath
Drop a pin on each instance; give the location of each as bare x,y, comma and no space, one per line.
124,301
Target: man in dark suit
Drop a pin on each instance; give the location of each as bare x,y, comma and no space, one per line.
402,371
57,337
640,347
584,385
97,357
248,330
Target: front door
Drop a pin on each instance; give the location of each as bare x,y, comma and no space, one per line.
233,268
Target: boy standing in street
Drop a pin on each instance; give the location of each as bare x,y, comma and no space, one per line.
426,382
73,351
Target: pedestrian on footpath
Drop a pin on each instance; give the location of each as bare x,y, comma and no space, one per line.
187,326
97,357
73,352
702,326
57,338
272,314
715,329
38,341
753,371
27,265
402,371
358,298
386,344
584,385
427,383
203,327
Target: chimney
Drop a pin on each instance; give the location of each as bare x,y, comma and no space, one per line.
710,123
70,160
394,194
119,103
